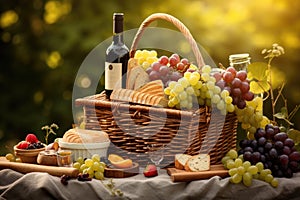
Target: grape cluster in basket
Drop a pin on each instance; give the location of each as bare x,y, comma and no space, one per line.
237,84
168,69
186,86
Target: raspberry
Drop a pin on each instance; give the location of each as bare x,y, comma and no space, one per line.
31,138
23,145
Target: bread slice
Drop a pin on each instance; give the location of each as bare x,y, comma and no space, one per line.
132,96
153,87
200,162
180,160
132,62
122,95
136,78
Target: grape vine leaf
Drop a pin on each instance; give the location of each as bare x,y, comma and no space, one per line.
258,87
258,75
283,115
294,135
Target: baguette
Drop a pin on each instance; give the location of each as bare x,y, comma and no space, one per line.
153,87
200,162
138,97
180,160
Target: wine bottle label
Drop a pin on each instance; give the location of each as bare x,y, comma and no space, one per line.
113,75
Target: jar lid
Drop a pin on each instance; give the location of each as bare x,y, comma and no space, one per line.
239,56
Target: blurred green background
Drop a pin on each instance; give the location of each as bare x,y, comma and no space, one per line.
43,43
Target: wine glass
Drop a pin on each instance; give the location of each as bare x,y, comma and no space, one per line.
156,153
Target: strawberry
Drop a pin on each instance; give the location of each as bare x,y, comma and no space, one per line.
23,145
31,138
150,171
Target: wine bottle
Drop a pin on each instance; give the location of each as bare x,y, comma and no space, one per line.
117,55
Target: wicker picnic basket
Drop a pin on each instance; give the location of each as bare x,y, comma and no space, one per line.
132,127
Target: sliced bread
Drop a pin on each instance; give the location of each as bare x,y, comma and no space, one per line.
136,78
200,162
153,87
133,96
180,160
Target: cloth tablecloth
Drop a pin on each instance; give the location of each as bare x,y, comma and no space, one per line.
35,185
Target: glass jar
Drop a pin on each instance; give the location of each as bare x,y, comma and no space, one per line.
239,61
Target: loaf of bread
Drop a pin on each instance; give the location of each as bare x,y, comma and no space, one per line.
180,160
153,87
138,97
76,135
200,162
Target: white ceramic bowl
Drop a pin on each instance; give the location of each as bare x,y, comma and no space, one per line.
85,150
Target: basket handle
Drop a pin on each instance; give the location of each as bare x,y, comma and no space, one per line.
183,29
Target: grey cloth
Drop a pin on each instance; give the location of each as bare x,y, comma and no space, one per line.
14,185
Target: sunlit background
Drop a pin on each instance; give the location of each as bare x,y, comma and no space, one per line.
43,43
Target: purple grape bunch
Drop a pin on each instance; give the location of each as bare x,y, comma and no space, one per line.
274,149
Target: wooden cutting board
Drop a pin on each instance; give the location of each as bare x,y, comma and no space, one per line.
27,168
111,172
178,175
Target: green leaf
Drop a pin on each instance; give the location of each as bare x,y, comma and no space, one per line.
258,74
283,115
258,87
280,116
257,71
294,135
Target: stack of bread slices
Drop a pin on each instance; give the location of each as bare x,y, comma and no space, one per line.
139,88
196,163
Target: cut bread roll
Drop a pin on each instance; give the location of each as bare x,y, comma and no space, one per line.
136,75
132,62
153,87
200,162
138,97
180,160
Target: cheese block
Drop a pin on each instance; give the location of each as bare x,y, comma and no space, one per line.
197,163
180,160
153,87
138,97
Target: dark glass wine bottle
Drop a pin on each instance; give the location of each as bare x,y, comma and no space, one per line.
117,55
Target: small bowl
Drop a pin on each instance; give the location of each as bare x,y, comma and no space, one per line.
28,155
